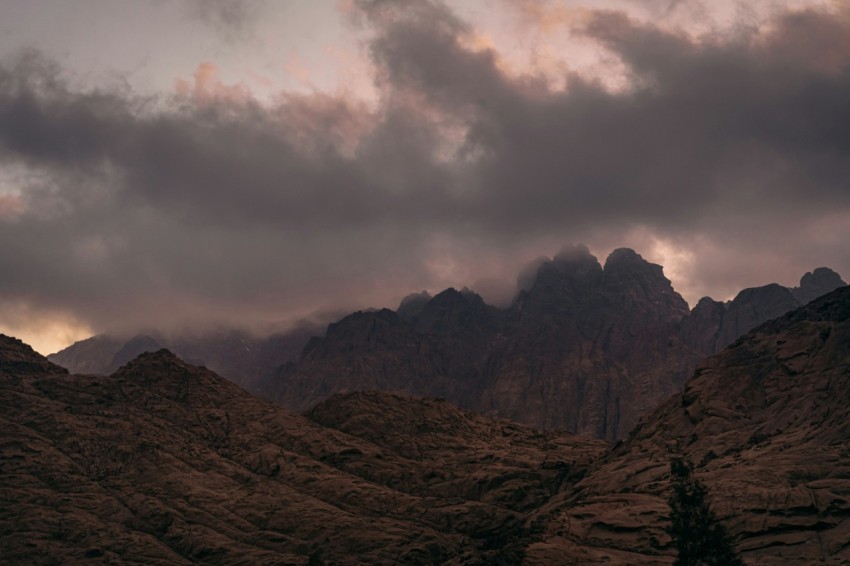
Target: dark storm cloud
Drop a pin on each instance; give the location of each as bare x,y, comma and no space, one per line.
154,211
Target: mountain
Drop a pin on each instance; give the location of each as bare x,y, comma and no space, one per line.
238,355
767,422
167,463
164,462
584,347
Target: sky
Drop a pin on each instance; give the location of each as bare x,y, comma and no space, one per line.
193,164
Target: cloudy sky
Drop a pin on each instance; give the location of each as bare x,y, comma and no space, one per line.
188,163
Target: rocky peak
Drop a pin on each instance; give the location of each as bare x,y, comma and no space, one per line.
752,307
641,286
163,375
161,365
411,306
564,283
452,310
131,349
817,283
360,332
17,358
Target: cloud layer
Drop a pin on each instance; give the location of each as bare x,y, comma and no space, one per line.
727,156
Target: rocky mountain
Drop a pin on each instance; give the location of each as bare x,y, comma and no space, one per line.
584,347
766,421
238,355
166,463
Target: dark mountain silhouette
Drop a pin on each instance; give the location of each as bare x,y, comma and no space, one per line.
584,347
167,463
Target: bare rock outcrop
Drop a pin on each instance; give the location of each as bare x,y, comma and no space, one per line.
167,463
767,423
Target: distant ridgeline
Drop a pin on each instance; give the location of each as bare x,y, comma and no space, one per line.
583,347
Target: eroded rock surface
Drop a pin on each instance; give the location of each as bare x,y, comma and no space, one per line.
167,463
767,422
584,347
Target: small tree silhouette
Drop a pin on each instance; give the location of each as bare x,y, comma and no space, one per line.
699,538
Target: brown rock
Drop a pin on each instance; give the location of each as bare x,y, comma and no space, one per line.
767,421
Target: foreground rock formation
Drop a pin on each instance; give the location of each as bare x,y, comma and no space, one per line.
767,421
167,463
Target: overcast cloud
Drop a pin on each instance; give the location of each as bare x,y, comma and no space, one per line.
726,156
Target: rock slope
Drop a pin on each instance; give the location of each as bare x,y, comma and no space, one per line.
167,463
767,422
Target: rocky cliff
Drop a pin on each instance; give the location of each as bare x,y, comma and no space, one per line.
584,347
767,423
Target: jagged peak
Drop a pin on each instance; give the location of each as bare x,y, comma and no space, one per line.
771,288
574,253
626,259
159,358
822,273
422,295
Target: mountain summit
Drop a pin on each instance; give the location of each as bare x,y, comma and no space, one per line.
584,347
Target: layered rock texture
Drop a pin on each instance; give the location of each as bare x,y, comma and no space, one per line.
166,463
584,347
767,421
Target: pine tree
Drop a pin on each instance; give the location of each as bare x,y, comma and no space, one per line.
699,538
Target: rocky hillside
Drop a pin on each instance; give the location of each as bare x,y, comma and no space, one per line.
167,463
584,347
767,421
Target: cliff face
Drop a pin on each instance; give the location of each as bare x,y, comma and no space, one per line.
584,347
166,463
766,421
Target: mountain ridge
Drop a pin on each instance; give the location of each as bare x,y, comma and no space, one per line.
586,347
166,462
